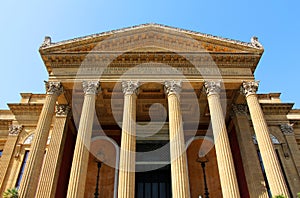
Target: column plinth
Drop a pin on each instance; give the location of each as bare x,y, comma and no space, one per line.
34,164
179,170
225,163
268,155
126,187
81,152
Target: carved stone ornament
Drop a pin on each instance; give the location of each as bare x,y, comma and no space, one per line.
62,109
239,109
130,87
255,42
15,129
47,41
173,87
212,87
249,88
54,88
91,87
287,129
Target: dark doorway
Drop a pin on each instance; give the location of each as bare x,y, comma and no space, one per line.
153,184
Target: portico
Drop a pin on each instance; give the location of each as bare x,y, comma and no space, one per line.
154,97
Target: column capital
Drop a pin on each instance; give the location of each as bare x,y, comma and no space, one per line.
239,109
212,87
62,109
54,88
249,88
287,129
173,87
15,129
91,87
130,87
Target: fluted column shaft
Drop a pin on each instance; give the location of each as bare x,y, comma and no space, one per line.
81,152
7,154
50,172
254,176
225,163
268,155
126,187
34,164
179,170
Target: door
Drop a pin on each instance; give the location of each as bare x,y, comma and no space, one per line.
153,184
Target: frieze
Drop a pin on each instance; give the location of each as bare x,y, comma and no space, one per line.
147,69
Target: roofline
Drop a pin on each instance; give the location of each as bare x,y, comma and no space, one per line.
48,44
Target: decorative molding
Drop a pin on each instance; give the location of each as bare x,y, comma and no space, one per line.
130,87
249,88
62,110
15,129
173,87
287,129
91,87
53,88
212,87
273,139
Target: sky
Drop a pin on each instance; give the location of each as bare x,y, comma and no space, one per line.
24,24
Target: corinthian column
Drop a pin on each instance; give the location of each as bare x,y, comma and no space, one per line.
128,144
268,155
7,154
34,164
179,171
81,152
50,172
227,173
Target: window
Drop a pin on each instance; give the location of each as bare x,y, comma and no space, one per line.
22,169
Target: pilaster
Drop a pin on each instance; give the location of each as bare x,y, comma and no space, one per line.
253,173
49,176
8,153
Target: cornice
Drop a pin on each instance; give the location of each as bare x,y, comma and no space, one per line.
23,108
276,108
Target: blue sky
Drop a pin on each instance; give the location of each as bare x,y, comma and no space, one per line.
23,25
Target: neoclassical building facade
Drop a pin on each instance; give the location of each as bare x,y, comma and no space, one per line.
150,111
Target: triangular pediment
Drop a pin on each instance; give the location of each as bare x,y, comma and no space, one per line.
150,38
